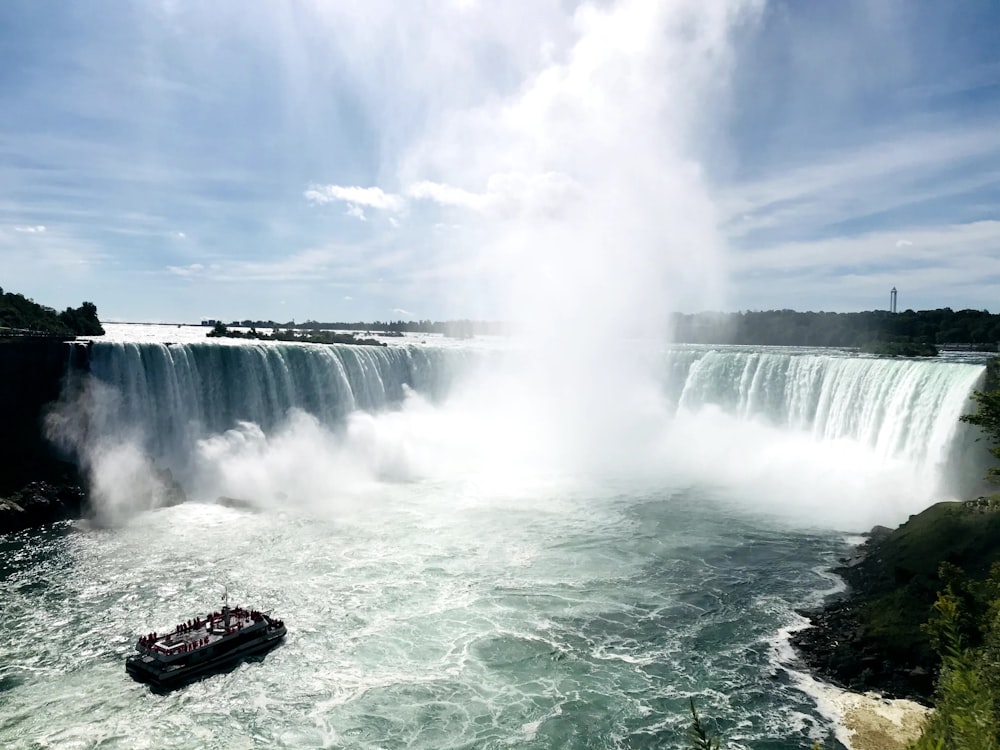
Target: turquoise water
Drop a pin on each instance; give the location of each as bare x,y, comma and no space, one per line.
430,617
472,546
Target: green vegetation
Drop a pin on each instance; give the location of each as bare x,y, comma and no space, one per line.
23,317
965,629
943,328
310,337
966,534
900,348
987,418
455,328
874,639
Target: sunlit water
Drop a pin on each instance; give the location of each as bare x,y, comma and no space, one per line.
461,603
431,617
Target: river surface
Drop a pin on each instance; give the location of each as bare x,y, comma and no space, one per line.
448,599
430,617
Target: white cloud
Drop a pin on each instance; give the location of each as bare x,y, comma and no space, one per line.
51,257
336,263
355,211
194,269
507,194
903,243
400,311
356,198
446,195
179,235
570,145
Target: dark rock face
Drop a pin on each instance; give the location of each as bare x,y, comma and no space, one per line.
840,650
32,372
41,503
38,484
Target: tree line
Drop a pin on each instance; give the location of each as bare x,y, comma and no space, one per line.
22,316
873,329
456,328
966,328
221,330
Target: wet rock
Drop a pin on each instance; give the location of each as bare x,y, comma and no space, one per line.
40,503
870,637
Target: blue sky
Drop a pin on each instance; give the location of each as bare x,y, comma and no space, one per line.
598,161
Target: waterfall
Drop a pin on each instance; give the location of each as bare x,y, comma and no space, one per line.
900,408
267,420
169,396
174,394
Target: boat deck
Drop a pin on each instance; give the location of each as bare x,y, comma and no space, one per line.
201,632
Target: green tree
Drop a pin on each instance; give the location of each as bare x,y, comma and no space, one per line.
967,700
987,418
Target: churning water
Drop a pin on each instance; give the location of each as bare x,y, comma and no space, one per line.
450,579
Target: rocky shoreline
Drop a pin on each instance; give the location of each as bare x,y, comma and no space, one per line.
66,497
838,649
870,638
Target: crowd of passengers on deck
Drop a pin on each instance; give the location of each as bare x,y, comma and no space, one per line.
159,643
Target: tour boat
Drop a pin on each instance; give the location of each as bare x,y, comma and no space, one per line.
203,645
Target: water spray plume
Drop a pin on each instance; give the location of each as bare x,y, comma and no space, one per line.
587,215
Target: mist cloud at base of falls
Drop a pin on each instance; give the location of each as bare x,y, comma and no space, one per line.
513,428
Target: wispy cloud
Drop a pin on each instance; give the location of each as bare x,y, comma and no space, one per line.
863,268
505,195
337,263
868,180
356,198
446,195
194,269
621,155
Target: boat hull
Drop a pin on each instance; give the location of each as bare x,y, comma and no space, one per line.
173,676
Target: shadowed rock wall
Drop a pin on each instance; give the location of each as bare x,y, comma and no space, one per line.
32,371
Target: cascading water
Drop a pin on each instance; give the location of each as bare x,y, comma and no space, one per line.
185,391
168,397
464,603
898,414
900,409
